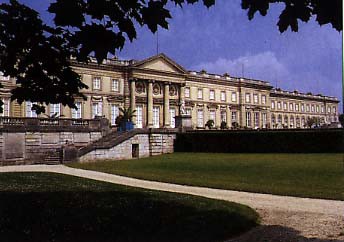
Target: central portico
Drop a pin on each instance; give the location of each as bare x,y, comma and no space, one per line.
154,96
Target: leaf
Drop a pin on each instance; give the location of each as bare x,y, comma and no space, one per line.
68,12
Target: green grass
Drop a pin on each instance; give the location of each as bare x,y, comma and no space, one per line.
303,175
54,207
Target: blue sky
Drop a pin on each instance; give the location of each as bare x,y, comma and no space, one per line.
222,39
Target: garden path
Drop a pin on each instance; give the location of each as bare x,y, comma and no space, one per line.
284,218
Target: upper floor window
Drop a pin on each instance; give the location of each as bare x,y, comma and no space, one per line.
187,92
312,108
328,110
255,98
29,112
234,99
96,83
302,108
115,85
6,107
317,109
248,98
322,109
200,93
263,99
273,104
223,96
334,110
211,95
297,107
285,106
291,107
307,108
279,105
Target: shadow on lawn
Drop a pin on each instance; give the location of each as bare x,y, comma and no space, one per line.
267,233
114,216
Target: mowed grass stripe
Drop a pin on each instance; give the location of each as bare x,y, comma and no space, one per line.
55,207
302,175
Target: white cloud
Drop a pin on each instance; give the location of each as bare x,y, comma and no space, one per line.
264,66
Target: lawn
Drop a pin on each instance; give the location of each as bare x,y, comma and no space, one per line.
303,175
53,207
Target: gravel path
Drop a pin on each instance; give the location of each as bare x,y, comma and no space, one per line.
284,218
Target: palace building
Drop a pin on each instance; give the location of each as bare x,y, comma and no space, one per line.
156,86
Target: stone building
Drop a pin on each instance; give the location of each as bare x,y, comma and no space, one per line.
156,86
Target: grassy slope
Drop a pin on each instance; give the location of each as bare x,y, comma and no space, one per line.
304,175
53,207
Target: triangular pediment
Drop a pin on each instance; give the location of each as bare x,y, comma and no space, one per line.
160,63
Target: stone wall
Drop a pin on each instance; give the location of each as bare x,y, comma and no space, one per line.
148,145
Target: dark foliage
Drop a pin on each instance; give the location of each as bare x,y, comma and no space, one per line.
37,55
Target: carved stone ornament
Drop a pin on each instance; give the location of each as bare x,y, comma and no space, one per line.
140,87
173,91
156,89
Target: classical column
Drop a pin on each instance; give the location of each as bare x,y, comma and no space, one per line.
166,105
150,104
229,117
218,116
132,99
182,92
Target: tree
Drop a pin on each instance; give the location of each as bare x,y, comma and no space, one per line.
37,56
312,122
341,120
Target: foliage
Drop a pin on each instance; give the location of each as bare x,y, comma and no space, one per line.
55,207
223,125
325,12
341,120
235,125
127,114
302,175
209,124
312,122
37,56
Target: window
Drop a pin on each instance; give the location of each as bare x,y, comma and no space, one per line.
328,110
307,108
312,108
291,106
285,106
29,112
248,119
255,98
223,116
115,85
6,108
334,110
212,95
297,107
114,113
263,99
96,83
264,120
256,120
272,104
248,98
156,117
200,121
172,117
317,109
55,110
234,99
200,93
97,109
322,109
292,124
302,108
234,116
76,113
139,117
4,78
187,91
279,106
223,96
212,116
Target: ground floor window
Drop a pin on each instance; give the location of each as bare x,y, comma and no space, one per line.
97,109
256,120
139,117
264,120
200,121
292,124
223,116
76,113
212,115
172,117
156,117
234,116
286,121
55,110
114,113
29,112
6,108
248,119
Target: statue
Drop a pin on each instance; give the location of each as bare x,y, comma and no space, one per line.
182,107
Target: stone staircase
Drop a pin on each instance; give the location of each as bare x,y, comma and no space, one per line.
110,140
53,157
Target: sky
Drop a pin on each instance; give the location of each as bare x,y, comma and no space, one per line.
221,39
